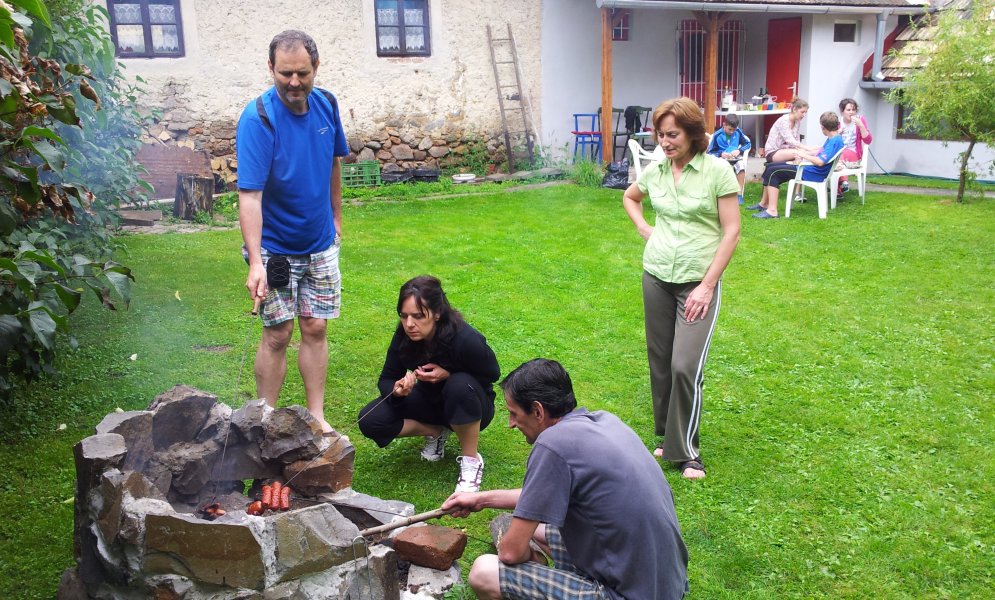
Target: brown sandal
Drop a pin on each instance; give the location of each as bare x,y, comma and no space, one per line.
694,463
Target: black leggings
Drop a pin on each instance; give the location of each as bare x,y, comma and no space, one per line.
777,173
458,400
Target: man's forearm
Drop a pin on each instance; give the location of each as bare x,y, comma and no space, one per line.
250,220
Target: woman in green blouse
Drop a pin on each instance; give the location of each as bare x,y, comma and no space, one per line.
695,233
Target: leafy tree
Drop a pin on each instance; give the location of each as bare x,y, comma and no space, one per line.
69,134
952,96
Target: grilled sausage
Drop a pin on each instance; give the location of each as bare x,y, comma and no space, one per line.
256,508
285,498
274,503
267,499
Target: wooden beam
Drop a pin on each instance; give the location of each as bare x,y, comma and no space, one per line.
711,67
607,117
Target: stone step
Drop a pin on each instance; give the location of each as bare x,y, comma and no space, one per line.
140,218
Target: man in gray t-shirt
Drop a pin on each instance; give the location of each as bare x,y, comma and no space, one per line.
593,499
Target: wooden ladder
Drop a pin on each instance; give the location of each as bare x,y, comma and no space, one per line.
515,113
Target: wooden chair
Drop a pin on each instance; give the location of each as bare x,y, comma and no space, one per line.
587,136
821,187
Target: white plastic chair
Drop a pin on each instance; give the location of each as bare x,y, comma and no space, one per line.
860,171
821,187
639,155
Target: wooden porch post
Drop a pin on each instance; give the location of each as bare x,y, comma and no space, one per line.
607,134
711,21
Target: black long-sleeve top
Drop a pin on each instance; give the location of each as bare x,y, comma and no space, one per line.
467,352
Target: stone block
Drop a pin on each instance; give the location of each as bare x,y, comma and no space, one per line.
212,552
432,583
425,143
247,421
291,434
355,144
71,586
312,539
430,546
327,474
402,152
180,413
499,526
366,154
438,151
367,511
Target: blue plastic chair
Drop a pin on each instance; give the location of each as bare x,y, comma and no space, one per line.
587,135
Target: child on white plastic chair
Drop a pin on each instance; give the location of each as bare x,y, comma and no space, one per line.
777,173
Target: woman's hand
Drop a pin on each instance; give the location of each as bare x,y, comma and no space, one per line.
696,305
404,385
431,373
645,230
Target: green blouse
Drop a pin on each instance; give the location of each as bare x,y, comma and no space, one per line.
687,230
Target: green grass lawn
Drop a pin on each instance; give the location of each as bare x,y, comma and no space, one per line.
847,423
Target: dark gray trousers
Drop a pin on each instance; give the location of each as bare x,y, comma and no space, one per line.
677,351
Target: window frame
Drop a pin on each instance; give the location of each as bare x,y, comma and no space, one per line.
402,51
856,32
149,51
621,24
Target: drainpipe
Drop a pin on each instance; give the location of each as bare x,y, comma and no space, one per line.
876,74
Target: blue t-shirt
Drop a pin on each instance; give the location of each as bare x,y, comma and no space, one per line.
292,165
829,150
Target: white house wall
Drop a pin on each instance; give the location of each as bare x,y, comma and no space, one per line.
451,91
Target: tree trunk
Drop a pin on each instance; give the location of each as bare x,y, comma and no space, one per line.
964,157
194,194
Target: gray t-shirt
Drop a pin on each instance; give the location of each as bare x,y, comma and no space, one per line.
591,476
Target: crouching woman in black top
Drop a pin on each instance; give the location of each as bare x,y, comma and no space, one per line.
439,375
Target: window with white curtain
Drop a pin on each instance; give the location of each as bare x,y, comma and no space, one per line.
146,28
402,28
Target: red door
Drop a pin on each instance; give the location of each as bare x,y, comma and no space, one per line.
784,45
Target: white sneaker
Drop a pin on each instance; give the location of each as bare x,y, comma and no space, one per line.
435,447
471,470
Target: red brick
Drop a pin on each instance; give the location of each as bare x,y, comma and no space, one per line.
431,546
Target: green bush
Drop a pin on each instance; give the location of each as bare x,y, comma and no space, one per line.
70,131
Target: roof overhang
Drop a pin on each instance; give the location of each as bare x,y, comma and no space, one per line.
764,7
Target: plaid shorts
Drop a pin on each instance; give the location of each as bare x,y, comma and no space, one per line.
562,581
315,288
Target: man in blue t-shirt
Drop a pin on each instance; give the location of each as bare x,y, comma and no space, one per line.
594,500
289,143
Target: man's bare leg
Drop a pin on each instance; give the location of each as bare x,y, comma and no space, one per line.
484,577
271,361
312,360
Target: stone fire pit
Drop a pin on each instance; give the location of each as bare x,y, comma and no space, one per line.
144,476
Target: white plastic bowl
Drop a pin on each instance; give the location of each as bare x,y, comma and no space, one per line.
463,177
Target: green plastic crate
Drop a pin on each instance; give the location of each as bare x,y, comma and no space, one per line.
361,174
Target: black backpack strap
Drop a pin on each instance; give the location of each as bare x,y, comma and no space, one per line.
261,110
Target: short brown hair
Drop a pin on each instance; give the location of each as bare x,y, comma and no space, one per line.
688,117
829,120
798,104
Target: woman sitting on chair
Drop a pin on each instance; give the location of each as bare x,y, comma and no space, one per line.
777,173
784,140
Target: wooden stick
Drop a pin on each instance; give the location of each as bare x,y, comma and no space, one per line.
425,516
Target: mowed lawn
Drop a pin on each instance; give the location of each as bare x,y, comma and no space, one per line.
847,425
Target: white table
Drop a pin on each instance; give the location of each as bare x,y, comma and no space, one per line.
757,139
